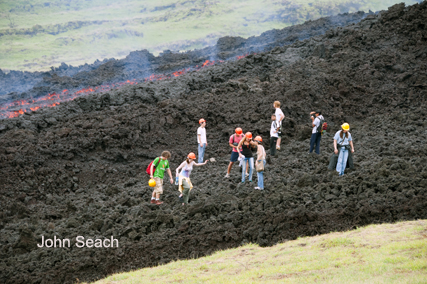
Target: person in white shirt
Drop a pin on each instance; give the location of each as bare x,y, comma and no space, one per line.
201,140
273,135
279,118
316,133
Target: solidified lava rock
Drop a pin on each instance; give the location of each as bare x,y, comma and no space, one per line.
79,169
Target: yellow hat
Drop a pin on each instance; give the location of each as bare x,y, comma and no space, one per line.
345,126
152,183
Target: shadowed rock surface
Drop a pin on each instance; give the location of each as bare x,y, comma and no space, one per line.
79,169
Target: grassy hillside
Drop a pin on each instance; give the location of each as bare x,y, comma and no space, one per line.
390,253
35,35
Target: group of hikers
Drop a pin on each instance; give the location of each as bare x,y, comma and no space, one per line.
243,148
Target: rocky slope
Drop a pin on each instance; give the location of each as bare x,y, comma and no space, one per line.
79,169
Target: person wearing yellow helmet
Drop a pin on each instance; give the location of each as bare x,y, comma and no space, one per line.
343,143
184,182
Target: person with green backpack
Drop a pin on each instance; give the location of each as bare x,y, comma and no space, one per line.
161,165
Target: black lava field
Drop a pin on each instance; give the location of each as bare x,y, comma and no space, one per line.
78,169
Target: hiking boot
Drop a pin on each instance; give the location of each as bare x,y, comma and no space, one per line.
226,176
257,187
153,201
246,175
158,202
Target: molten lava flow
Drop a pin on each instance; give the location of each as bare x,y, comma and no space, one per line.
10,110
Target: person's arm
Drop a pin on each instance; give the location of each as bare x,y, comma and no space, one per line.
151,168
199,138
240,145
313,121
275,129
352,147
200,164
180,167
170,175
335,146
282,117
259,154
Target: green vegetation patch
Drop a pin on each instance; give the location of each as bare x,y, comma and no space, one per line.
389,253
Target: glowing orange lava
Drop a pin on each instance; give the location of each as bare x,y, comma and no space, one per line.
19,107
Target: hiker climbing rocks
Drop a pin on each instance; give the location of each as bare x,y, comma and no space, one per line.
233,142
246,144
273,135
161,164
201,139
343,143
279,118
184,182
260,163
317,121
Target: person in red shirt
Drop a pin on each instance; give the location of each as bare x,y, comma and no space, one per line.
233,142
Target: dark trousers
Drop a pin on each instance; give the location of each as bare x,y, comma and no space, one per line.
315,140
273,141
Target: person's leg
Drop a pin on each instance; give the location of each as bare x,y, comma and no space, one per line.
340,161
260,176
251,168
312,141
247,166
278,142
273,146
244,169
318,137
186,191
199,152
158,189
344,162
230,165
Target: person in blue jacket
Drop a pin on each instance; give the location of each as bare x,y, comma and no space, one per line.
343,142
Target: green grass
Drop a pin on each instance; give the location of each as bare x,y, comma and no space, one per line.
35,35
388,253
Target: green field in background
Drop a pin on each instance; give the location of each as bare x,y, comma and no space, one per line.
35,35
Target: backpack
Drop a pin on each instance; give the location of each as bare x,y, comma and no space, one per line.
322,126
154,168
